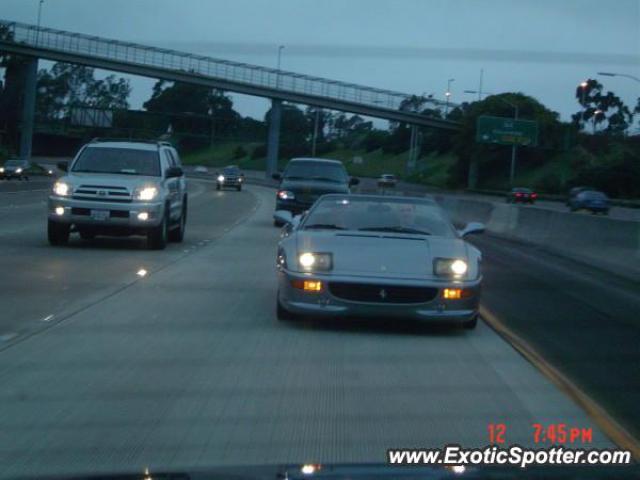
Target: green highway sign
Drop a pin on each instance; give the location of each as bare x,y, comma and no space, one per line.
506,131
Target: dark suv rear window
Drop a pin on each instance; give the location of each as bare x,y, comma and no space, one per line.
321,171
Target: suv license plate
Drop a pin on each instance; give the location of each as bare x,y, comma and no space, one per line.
100,215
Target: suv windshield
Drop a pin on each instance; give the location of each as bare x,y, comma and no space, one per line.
330,172
127,161
394,215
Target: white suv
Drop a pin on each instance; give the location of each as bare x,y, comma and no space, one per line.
120,188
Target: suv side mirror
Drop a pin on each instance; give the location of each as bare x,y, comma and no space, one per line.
353,181
277,176
64,166
173,172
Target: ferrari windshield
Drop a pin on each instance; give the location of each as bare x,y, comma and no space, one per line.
379,214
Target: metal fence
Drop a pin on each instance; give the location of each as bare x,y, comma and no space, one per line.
257,76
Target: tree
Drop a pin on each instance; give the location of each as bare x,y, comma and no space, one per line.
600,108
67,86
199,101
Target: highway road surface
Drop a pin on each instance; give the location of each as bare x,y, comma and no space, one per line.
105,370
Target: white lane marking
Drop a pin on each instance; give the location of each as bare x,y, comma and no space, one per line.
48,318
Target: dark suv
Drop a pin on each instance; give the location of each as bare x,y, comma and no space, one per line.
304,180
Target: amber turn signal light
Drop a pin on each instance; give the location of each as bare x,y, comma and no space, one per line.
307,285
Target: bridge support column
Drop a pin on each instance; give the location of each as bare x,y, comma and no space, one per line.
28,107
273,141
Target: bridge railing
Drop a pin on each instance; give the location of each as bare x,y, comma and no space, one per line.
116,50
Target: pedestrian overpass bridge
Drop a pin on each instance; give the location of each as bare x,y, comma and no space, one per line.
57,45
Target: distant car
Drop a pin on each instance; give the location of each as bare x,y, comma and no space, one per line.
201,169
377,255
591,200
387,180
230,177
522,195
575,191
306,179
15,169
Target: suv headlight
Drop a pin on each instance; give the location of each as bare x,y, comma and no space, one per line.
18,170
313,262
145,193
61,189
221,178
1,169
286,195
450,267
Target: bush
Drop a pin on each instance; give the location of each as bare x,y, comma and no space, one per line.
239,152
259,152
4,153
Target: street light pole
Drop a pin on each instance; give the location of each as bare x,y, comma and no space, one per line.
584,86
448,94
625,75
39,17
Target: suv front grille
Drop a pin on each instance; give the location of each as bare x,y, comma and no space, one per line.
103,193
364,292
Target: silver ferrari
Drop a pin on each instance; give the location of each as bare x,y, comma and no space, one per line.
375,255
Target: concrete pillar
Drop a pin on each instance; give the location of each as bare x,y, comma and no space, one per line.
28,107
411,160
273,141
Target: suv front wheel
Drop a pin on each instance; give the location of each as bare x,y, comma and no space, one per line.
58,233
157,236
177,234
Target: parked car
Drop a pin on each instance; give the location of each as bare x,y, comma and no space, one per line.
591,200
378,255
305,180
120,188
230,176
521,195
15,169
386,180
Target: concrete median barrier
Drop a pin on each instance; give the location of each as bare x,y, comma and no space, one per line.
599,241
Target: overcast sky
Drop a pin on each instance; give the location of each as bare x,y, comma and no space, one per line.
543,48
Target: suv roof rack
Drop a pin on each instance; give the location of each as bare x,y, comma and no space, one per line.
135,140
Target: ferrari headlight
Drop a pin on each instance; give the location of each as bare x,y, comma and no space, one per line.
146,193
286,195
61,189
221,178
315,261
450,267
